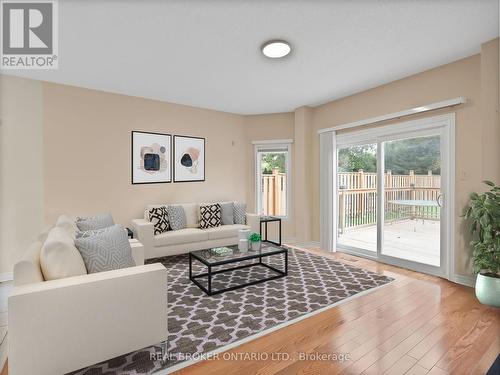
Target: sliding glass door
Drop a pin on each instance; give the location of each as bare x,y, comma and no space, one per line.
391,188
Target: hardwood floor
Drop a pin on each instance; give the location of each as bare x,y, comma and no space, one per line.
417,325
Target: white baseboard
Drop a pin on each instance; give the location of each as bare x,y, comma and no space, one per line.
300,243
7,276
464,280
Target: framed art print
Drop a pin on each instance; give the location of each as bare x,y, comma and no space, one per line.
151,158
189,159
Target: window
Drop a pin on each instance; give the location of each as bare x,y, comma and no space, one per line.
273,176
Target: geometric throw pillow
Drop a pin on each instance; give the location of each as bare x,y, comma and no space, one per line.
159,217
89,233
240,213
210,216
227,213
94,222
106,251
176,217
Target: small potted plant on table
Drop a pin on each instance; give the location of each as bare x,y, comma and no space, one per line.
255,241
483,213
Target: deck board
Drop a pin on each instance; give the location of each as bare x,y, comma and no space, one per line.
416,240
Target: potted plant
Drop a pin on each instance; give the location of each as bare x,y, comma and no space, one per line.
255,241
483,214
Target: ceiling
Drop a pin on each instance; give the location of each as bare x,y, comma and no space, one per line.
207,53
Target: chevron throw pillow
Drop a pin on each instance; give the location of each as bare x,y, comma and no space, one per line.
106,251
210,216
159,217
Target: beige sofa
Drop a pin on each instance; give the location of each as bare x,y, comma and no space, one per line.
192,237
65,324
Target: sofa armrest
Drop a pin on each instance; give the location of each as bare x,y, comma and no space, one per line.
86,319
137,252
144,232
253,221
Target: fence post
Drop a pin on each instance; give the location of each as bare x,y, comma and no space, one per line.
341,211
413,193
277,192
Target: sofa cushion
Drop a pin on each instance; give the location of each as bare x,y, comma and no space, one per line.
108,249
59,258
225,231
94,222
67,223
209,215
176,217
227,213
240,210
159,217
180,236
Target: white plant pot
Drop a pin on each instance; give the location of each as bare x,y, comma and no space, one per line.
255,245
243,245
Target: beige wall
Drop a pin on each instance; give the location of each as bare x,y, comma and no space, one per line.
87,153
477,126
21,167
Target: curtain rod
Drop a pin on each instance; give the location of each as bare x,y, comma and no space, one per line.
396,115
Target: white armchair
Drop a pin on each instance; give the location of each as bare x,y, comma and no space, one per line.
59,326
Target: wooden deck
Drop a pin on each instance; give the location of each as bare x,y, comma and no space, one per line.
414,240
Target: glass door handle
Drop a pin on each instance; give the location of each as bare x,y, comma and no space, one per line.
439,200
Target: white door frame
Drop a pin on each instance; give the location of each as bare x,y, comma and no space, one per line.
444,126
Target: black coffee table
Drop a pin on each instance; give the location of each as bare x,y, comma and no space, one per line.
269,219
209,259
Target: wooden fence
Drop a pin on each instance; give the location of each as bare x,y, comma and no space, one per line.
274,193
357,197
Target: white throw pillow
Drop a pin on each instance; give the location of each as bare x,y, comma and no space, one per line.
27,270
67,223
59,257
192,211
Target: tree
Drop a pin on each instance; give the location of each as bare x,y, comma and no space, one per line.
354,158
401,156
272,160
413,154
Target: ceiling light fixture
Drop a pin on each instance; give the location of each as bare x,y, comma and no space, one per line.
276,49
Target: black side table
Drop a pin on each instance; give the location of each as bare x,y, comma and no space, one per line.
268,219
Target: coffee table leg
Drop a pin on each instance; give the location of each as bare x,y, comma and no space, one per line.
190,267
209,280
286,263
280,231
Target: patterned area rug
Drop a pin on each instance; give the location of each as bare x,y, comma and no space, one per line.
199,324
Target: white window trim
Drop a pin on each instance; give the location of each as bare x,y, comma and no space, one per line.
282,144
